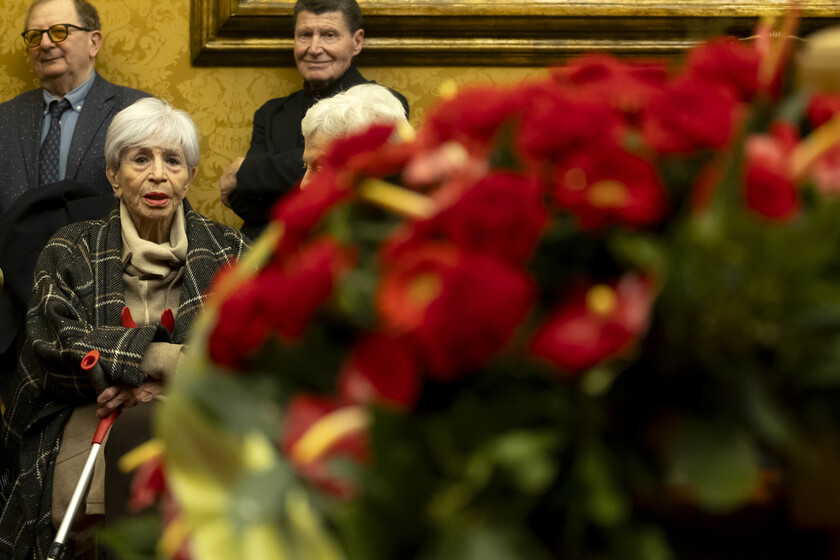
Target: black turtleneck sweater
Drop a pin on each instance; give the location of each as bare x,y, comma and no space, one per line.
274,162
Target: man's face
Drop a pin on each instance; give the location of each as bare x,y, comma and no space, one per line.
69,61
324,47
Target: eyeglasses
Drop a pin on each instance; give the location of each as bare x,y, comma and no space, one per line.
57,33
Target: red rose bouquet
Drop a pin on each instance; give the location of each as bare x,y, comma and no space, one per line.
562,320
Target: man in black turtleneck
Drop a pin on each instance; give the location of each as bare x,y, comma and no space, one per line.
328,34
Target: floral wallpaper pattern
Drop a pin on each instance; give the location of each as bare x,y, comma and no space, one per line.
146,46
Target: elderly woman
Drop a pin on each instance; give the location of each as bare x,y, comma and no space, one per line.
105,285
344,114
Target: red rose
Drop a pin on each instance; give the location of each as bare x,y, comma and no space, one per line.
148,484
482,303
282,298
304,412
442,164
596,323
301,209
822,107
769,187
472,117
411,280
458,309
380,369
689,114
502,215
826,172
292,290
241,328
727,62
770,194
558,123
342,150
388,159
626,86
610,187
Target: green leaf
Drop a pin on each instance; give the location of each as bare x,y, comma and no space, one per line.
716,462
240,404
644,542
638,251
597,381
485,542
528,458
259,495
134,538
766,416
792,108
606,503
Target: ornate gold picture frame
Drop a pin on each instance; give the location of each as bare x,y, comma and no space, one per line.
488,32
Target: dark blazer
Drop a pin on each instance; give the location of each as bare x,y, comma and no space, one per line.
20,138
76,307
274,162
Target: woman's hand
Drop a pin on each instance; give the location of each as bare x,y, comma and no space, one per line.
125,396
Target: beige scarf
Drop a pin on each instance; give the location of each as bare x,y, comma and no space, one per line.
152,272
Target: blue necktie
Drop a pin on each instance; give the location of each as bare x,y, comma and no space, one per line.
48,156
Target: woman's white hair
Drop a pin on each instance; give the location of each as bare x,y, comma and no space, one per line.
352,111
150,120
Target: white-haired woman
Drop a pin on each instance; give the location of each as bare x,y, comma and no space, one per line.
151,257
344,114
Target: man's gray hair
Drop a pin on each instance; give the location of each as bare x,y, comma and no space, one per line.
88,16
352,111
150,120
350,8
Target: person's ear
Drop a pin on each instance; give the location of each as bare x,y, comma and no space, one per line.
112,178
95,38
358,41
193,171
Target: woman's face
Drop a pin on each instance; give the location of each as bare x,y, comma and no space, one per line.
152,181
314,148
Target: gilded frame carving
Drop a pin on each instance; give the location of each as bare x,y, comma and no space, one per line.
487,32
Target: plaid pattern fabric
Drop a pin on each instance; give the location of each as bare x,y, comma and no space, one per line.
75,307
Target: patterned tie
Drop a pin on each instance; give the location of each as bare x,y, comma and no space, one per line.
48,156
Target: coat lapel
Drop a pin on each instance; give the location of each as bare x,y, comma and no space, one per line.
99,103
29,131
200,268
106,257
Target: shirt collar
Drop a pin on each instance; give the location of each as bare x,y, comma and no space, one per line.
75,97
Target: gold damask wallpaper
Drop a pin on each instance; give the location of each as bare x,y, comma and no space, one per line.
146,46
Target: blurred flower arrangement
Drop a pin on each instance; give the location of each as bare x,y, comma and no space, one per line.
556,314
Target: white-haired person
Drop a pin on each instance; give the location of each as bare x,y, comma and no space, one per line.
344,114
130,286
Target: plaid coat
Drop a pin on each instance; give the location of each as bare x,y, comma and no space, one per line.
76,304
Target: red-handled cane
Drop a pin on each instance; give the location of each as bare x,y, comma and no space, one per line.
90,363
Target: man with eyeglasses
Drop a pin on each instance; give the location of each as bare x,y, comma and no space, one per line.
52,150
62,39
328,35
